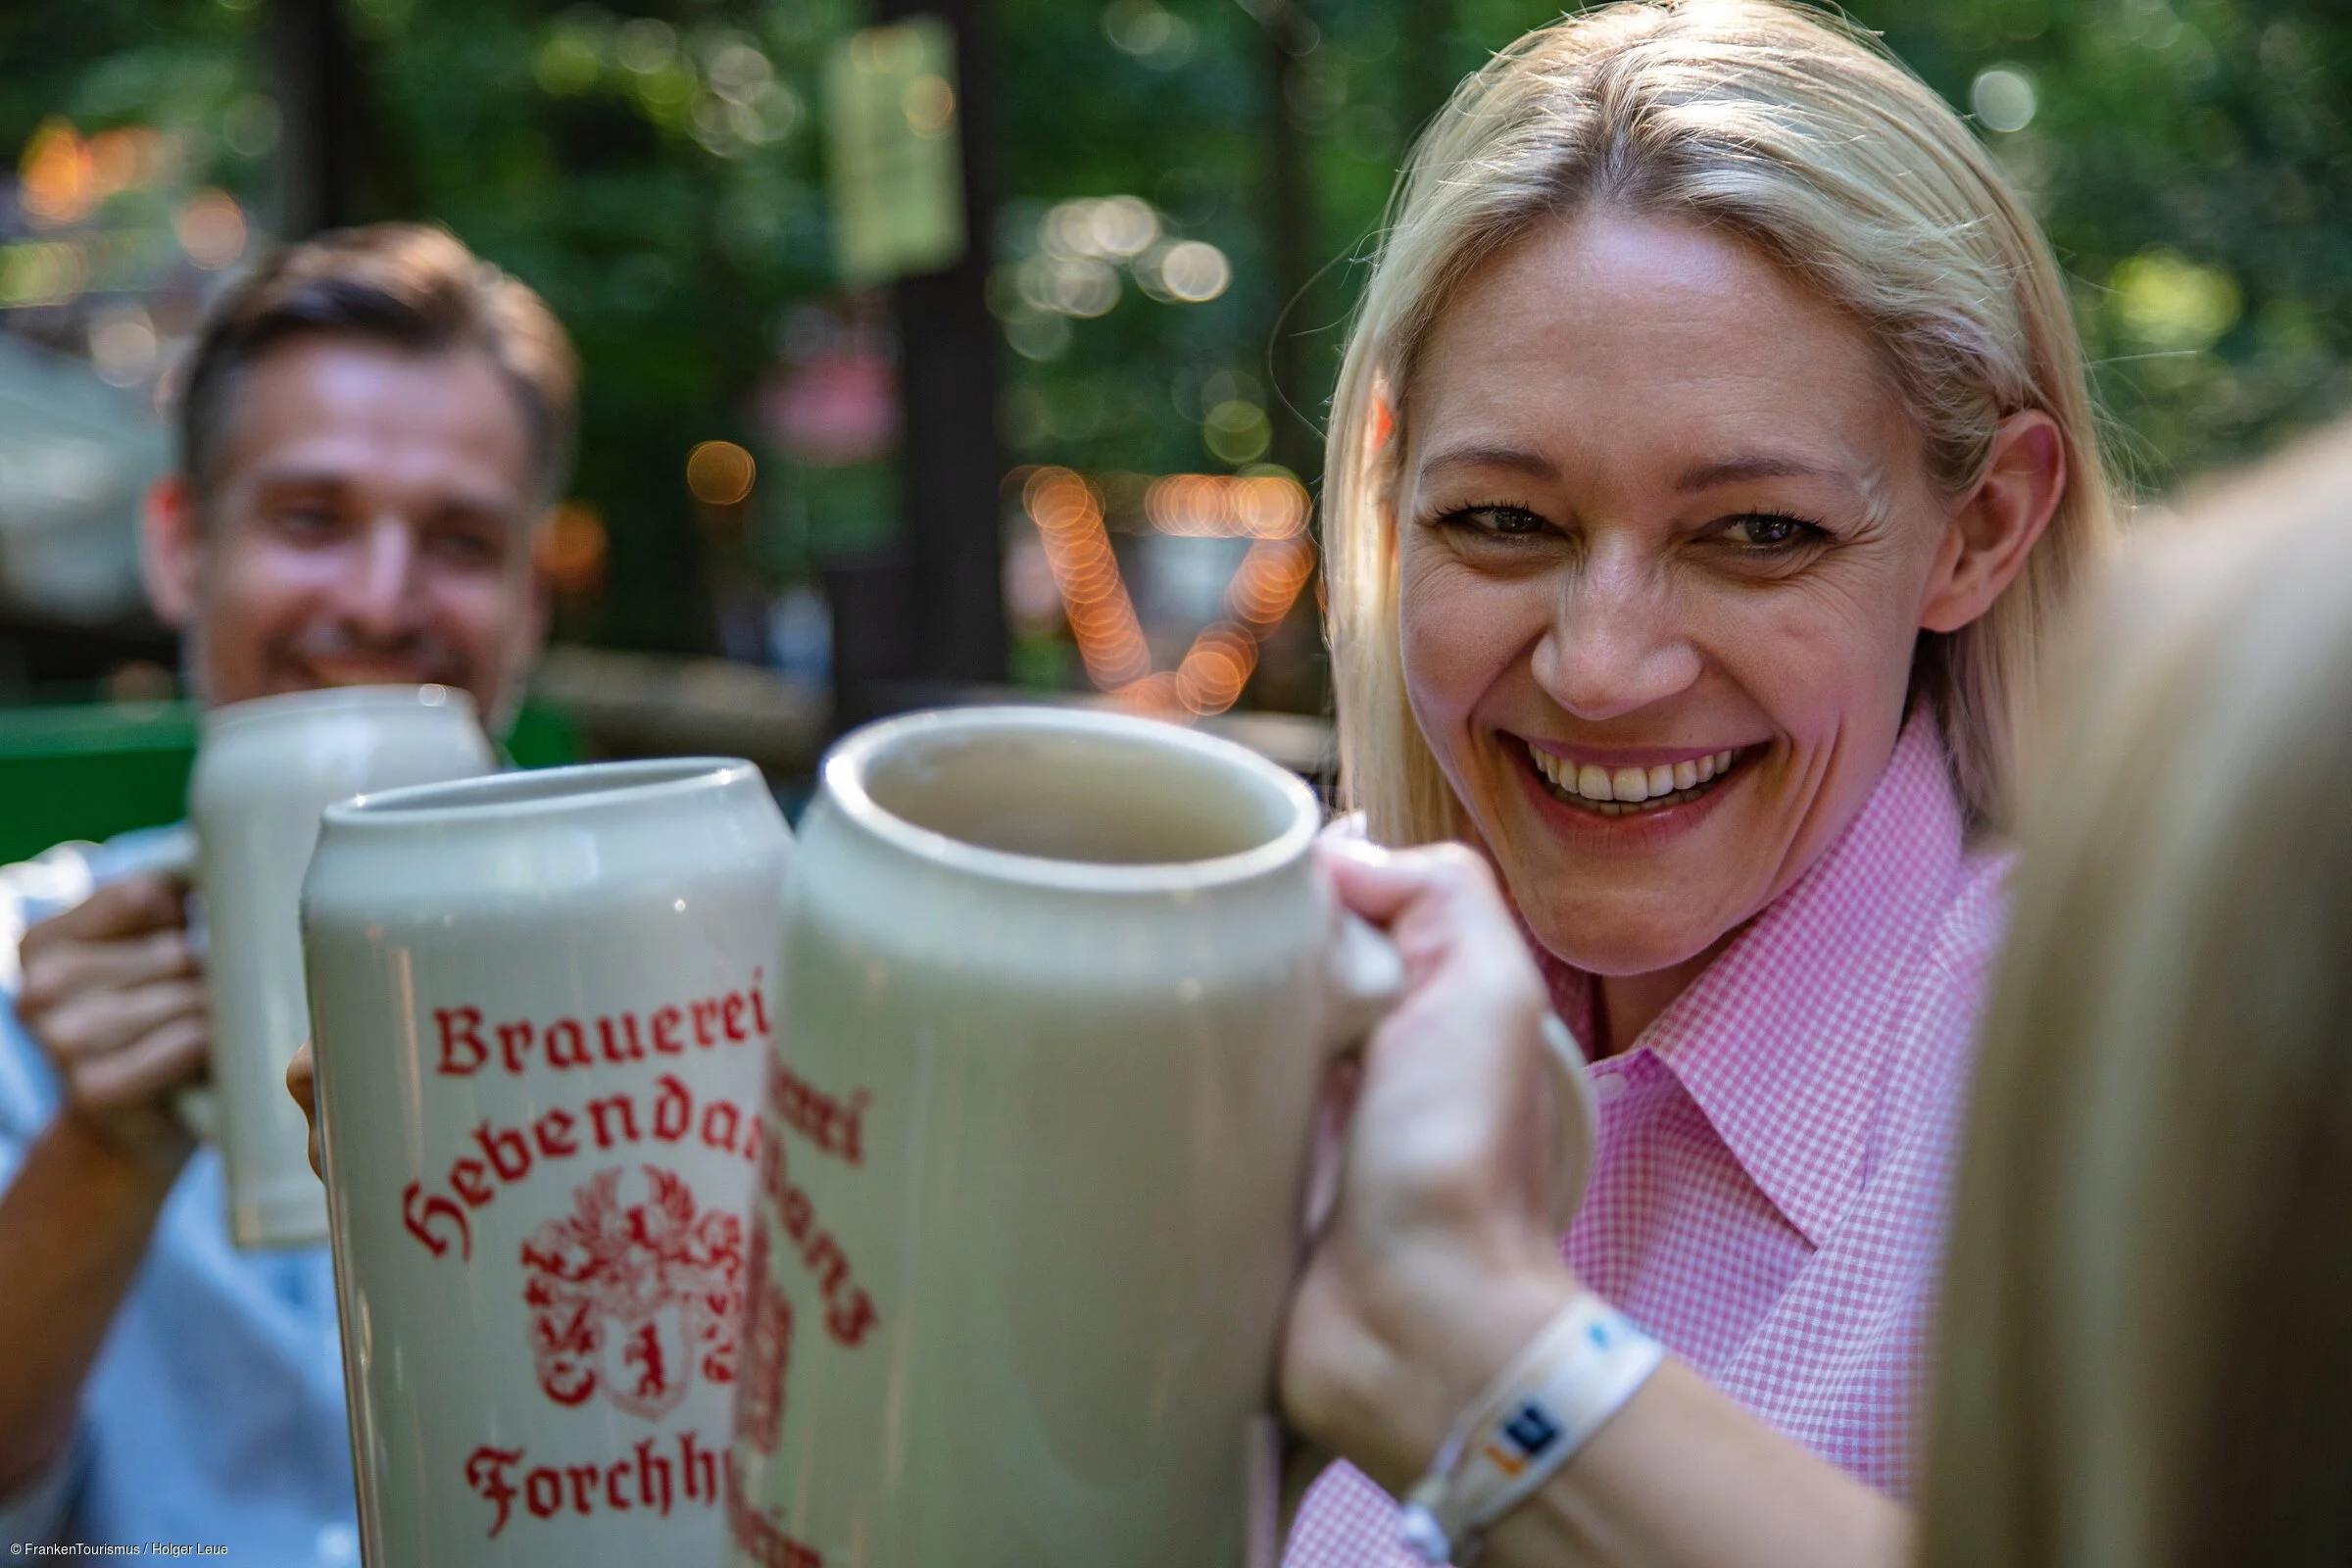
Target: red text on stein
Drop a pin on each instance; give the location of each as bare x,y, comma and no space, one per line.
470,1043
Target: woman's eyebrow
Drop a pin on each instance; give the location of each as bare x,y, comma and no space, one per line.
1754,465
1475,456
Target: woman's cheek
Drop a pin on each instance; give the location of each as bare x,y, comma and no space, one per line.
1460,635
1820,662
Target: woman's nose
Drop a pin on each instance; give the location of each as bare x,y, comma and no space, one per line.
1614,647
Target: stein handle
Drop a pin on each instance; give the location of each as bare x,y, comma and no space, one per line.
174,853
1367,978
1367,981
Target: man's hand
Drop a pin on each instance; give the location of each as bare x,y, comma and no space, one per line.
115,997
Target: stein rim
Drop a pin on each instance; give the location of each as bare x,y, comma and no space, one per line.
608,784
427,696
843,777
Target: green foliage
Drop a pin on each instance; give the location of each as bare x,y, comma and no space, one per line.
655,176
654,166
2193,162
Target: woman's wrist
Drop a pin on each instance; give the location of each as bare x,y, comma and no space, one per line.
1430,1357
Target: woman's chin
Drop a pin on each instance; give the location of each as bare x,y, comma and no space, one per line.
1621,938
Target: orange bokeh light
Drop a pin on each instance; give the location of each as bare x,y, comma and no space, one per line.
1220,506
572,549
719,473
1270,509
1093,595
57,179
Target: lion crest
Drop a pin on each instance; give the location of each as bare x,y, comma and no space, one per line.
633,1298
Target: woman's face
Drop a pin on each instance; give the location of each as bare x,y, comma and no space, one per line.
1666,543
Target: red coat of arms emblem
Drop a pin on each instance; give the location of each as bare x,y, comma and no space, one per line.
632,1296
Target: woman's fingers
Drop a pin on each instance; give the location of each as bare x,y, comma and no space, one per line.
1380,883
1440,904
302,1082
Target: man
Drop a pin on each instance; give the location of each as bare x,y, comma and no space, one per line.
371,428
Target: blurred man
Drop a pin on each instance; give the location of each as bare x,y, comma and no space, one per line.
371,428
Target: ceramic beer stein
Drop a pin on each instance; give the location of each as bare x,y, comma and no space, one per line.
1060,989
541,1006
265,769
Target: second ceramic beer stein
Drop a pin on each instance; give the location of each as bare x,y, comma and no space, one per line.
542,1006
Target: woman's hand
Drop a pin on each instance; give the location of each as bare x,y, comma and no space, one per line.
302,1082
1442,1257
1442,1262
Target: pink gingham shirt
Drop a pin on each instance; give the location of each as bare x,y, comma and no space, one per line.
1768,1190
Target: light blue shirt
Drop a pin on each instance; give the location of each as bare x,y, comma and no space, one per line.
215,1412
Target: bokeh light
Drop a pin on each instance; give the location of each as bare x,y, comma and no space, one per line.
124,347
929,103
2003,98
1269,509
41,272
57,177
572,549
1094,596
719,473
1237,432
212,230
1218,506
1193,272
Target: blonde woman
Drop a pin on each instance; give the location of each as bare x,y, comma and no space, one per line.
2144,1351
1710,452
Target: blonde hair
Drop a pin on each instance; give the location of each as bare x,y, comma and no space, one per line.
2144,1352
1797,136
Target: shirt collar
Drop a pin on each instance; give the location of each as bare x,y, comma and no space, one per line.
1784,1040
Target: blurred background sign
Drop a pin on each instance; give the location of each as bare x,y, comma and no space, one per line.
895,176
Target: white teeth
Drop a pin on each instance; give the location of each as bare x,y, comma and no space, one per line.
1626,788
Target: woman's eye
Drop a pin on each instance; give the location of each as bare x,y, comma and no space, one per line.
1770,530
1506,521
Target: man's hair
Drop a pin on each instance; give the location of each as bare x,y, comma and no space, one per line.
414,286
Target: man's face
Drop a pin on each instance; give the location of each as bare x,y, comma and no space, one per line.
369,521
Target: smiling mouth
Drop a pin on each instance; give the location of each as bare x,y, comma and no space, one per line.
1633,791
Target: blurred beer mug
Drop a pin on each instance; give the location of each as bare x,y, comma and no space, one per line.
541,1005
265,769
1059,989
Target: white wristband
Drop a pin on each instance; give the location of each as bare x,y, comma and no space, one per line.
1573,1376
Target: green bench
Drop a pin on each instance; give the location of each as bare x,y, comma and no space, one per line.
92,770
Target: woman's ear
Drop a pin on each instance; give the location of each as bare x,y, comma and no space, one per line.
171,552
1995,528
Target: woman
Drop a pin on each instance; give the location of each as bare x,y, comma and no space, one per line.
1710,453
2143,1357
